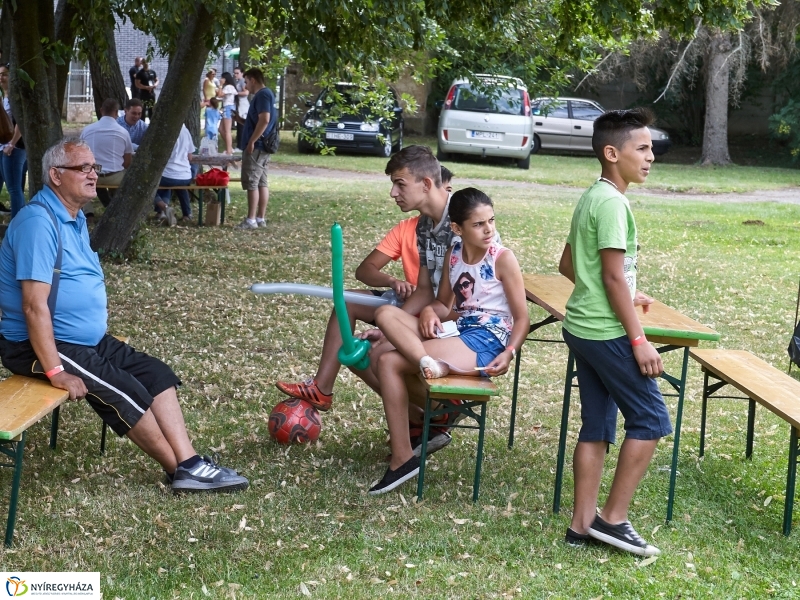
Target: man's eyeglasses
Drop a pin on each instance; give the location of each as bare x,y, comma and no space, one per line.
83,168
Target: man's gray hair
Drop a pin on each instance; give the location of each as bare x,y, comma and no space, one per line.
57,155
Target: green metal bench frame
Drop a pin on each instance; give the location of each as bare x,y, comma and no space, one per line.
472,399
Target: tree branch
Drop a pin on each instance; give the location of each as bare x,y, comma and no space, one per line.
679,64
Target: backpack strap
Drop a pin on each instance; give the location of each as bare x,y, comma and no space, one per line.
51,299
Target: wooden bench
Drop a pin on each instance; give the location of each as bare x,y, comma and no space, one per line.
24,401
475,392
195,191
761,383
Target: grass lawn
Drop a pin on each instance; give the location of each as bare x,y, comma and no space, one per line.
307,527
671,172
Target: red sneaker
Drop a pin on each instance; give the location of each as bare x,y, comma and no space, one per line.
307,390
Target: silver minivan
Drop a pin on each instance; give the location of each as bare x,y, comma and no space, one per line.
492,118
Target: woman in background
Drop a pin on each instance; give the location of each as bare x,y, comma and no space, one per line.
228,93
13,160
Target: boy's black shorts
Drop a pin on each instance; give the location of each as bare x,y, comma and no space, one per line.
121,382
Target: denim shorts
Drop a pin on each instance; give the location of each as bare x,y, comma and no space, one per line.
608,378
483,343
227,112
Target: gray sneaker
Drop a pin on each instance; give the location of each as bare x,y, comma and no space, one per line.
245,224
262,223
207,476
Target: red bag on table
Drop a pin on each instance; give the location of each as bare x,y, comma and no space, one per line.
213,177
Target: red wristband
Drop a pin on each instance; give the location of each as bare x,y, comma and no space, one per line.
638,340
54,371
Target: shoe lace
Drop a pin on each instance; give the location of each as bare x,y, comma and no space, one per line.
212,459
632,533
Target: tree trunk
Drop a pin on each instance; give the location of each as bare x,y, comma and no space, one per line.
715,132
5,35
246,41
107,81
41,119
65,33
192,121
123,217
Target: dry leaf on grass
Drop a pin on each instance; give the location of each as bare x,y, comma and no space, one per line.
647,561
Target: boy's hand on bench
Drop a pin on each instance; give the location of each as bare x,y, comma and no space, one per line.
648,359
70,383
642,300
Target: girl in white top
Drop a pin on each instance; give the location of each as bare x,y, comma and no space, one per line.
482,286
228,94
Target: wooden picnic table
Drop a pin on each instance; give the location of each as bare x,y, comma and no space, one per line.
662,325
216,160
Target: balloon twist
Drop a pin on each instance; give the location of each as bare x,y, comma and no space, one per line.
354,351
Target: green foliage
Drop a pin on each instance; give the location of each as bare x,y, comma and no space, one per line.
785,127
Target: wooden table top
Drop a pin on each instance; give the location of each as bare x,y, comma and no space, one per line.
661,324
759,380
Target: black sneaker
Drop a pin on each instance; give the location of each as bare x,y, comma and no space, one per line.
578,540
207,476
393,479
622,536
438,438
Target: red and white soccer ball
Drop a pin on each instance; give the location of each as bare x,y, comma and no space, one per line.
294,421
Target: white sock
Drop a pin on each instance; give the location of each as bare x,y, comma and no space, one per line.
251,221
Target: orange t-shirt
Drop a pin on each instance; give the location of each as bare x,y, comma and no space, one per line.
401,242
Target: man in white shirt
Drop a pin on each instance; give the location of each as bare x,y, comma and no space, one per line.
111,145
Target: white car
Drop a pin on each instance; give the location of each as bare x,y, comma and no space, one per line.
493,119
568,124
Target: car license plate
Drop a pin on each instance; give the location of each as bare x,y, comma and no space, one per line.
485,135
339,136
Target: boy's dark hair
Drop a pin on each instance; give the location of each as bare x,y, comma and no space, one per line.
109,107
447,175
463,202
420,162
214,102
131,102
255,73
614,128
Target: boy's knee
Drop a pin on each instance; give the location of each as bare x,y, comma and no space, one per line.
383,313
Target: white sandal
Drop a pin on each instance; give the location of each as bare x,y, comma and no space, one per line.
435,368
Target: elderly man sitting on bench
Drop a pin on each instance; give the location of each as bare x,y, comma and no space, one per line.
53,301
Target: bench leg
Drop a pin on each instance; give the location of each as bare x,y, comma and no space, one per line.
18,448
426,424
677,442
103,438
221,200
54,427
562,440
476,486
788,506
514,402
703,413
751,423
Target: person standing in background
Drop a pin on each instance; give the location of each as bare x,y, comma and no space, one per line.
146,83
228,94
132,72
242,102
14,158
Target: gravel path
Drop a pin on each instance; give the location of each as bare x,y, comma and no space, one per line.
784,196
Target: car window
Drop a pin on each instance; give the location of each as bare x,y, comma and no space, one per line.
552,109
585,111
506,101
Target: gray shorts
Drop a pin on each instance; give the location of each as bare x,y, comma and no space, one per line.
254,169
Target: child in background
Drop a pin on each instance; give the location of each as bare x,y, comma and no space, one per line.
616,364
212,120
492,323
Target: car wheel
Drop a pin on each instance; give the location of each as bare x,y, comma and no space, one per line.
524,163
537,144
442,156
303,147
386,151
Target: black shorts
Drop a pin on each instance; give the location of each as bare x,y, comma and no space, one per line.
121,382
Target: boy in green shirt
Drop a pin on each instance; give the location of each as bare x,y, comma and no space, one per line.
616,364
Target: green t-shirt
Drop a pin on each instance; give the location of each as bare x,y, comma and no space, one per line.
602,219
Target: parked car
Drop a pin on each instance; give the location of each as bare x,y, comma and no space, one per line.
492,118
568,124
352,132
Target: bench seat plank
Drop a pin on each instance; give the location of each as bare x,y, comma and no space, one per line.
24,401
756,378
461,386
